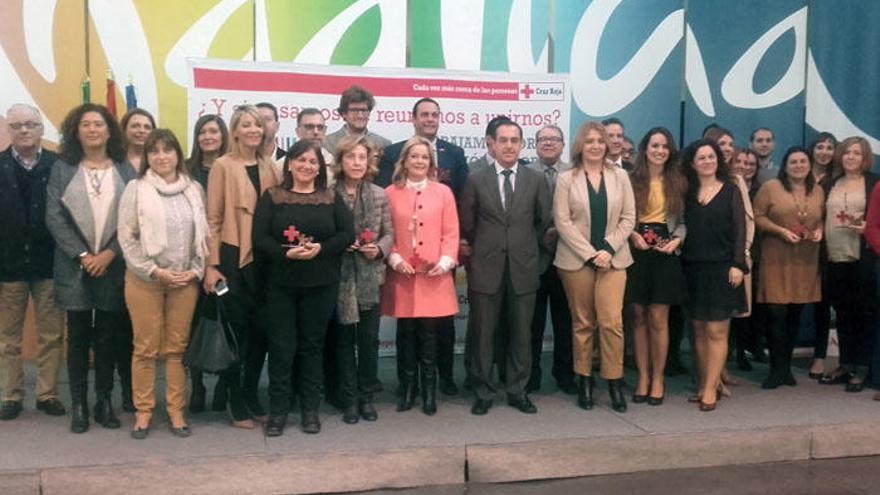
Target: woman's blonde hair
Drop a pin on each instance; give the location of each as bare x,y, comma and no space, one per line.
345,146
235,121
577,147
399,177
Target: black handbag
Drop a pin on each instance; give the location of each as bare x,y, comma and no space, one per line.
212,346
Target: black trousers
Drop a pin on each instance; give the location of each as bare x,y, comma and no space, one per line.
242,303
875,350
357,357
122,348
298,319
784,324
551,294
91,329
850,293
822,316
486,310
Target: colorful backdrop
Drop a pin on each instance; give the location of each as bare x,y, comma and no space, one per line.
797,66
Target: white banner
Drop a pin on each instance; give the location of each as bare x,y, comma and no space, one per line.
468,101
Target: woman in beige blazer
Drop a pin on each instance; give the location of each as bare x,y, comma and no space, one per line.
594,213
235,182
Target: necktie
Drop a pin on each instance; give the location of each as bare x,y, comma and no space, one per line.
550,175
508,187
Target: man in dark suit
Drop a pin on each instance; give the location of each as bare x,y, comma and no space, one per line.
452,171
271,150
615,130
550,142
504,211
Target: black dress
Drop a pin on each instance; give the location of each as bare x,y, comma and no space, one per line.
715,243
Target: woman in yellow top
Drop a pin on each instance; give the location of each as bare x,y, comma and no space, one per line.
655,280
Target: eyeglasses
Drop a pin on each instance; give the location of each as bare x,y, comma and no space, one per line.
17,126
362,111
549,139
314,127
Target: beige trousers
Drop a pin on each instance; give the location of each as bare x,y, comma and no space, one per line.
595,299
50,337
161,320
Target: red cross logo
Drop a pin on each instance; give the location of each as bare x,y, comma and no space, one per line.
527,92
650,237
843,217
291,234
367,236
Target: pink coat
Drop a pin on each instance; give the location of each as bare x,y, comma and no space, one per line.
436,234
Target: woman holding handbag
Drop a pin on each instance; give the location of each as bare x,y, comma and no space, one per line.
162,232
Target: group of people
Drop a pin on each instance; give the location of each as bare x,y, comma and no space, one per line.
306,248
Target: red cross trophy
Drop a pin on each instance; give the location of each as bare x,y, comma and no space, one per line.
292,235
650,237
844,217
800,230
367,236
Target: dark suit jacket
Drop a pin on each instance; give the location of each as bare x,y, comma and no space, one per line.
498,235
26,246
69,218
451,161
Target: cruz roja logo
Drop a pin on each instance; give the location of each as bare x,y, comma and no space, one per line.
550,91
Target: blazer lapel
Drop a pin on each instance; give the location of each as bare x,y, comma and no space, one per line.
76,200
110,227
492,183
610,197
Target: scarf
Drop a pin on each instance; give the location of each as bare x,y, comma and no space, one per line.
361,279
151,213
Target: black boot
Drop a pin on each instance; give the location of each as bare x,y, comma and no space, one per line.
79,417
197,397
310,422
585,386
275,425
429,389
615,392
366,409
104,414
408,392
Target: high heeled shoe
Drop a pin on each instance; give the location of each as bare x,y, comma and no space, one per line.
615,392
585,386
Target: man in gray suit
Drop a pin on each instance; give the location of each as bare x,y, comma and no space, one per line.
549,144
505,211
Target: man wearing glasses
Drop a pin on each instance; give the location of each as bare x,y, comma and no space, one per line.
26,264
355,106
549,143
311,126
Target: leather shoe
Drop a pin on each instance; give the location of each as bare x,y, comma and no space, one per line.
350,415
448,387
10,410
855,387
815,376
310,422
522,403
481,407
707,407
181,432
105,416
655,401
789,380
140,433
835,379
367,411
771,382
52,407
275,425
79,418
638,399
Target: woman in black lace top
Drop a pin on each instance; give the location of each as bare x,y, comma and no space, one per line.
714,258
302,229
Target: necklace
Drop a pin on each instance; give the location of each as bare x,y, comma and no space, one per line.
800,204
707,194
96,179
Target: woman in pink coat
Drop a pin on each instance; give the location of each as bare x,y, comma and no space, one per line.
420,290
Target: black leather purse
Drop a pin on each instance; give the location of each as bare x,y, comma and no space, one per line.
212,346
